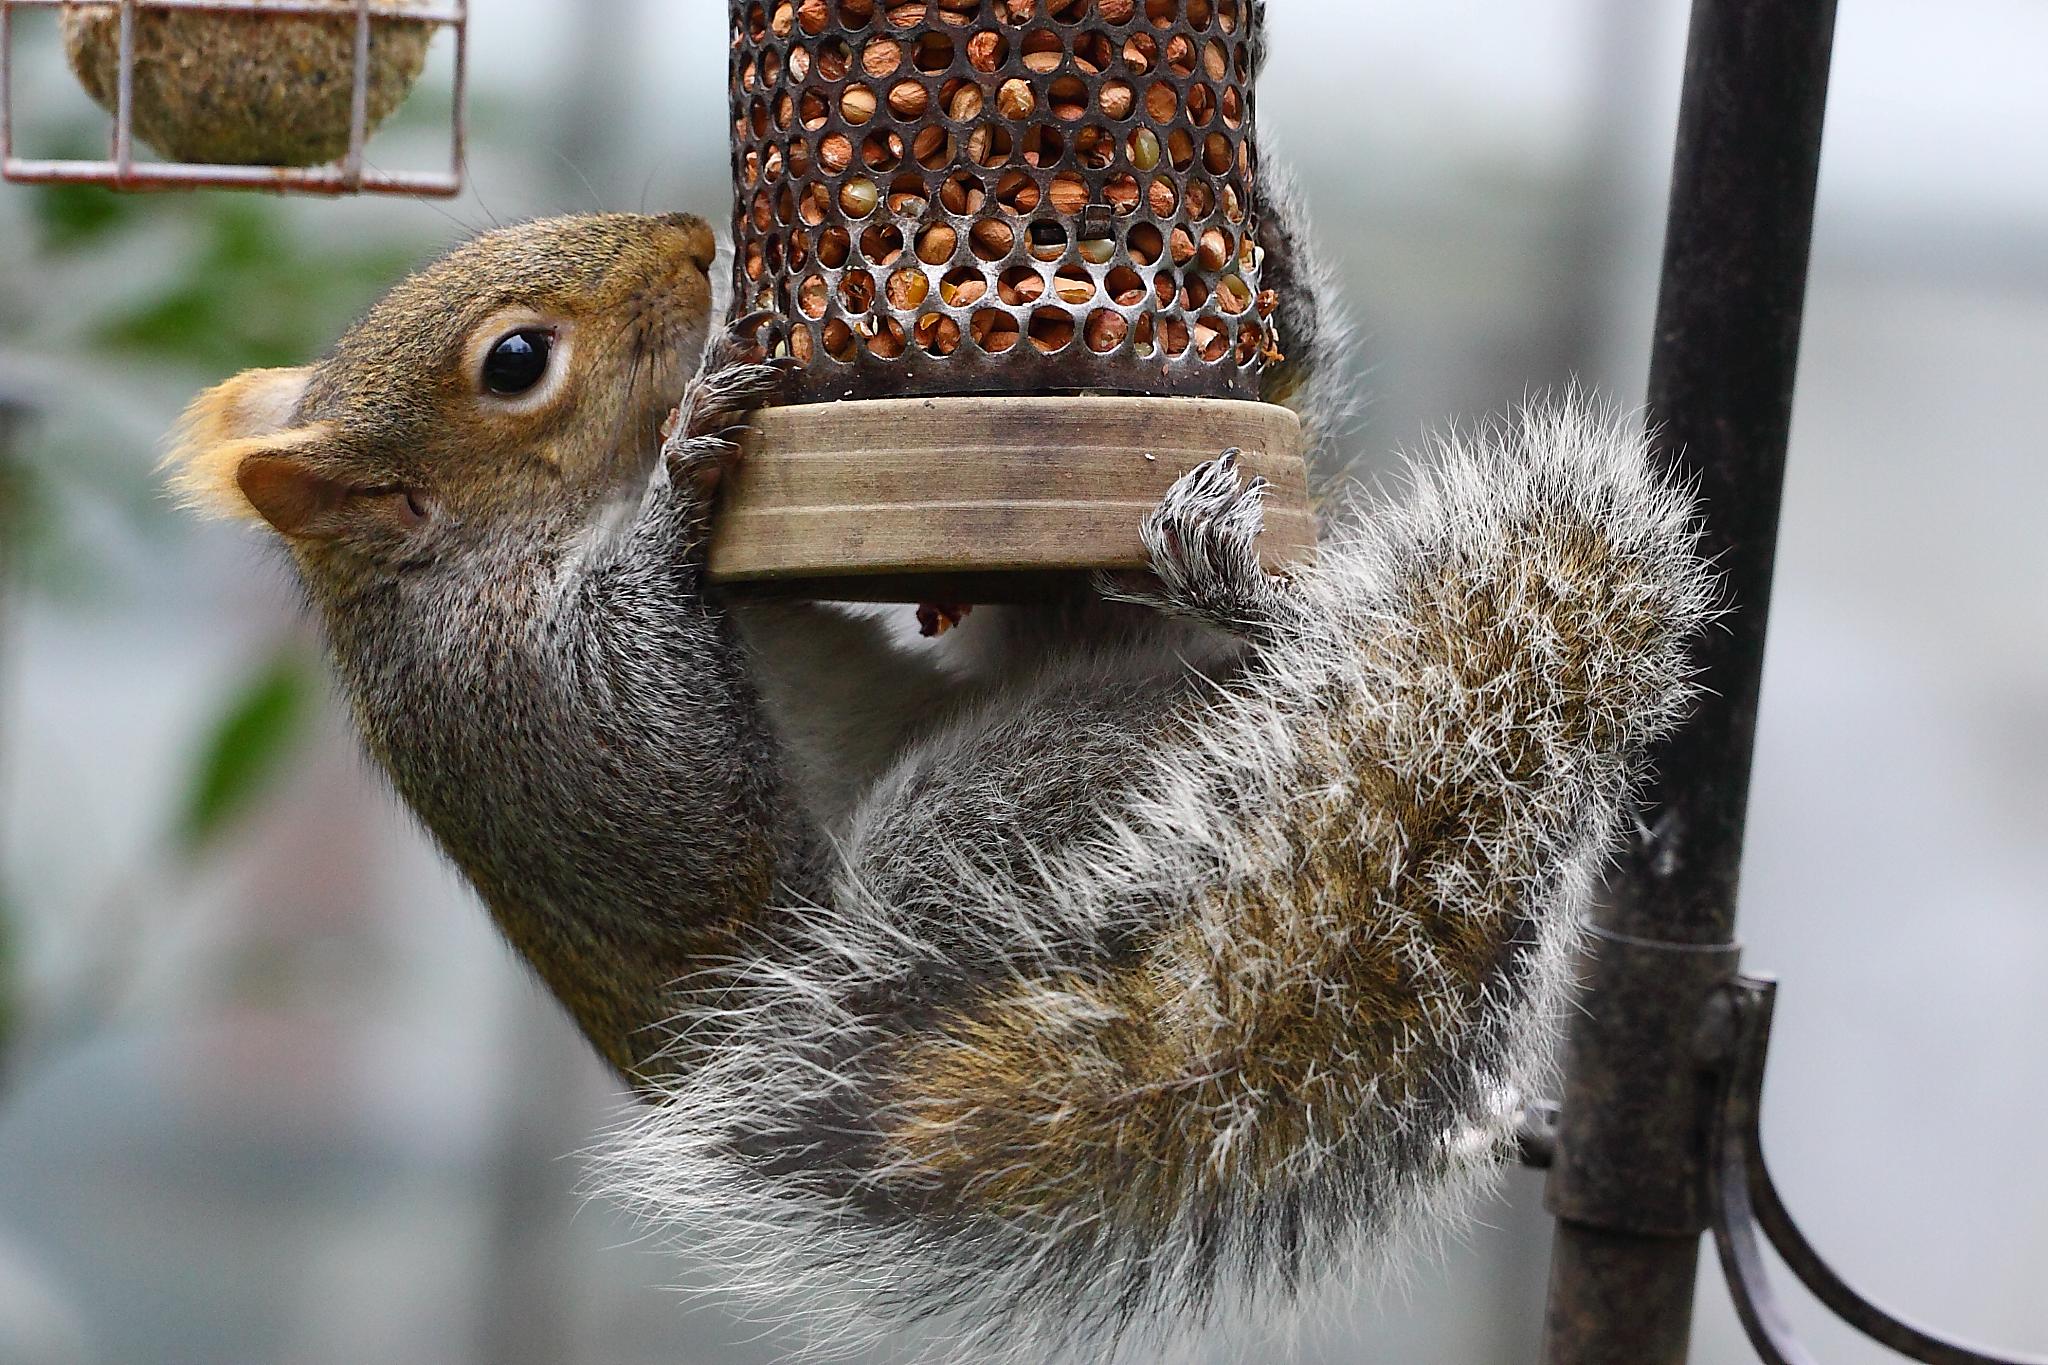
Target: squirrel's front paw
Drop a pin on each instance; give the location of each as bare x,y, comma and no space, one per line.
700,440
1202,545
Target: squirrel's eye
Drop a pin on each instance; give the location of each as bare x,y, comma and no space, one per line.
518,361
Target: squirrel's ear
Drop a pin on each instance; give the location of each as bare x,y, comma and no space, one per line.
291,493
228,424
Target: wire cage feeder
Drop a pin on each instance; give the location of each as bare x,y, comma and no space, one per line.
1014,245
348,173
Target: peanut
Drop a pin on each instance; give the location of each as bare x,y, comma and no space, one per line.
857,105
1106,331
885,339
962,293
1021,287
811,296
991,240
993,331
1144,149
907,289
930,146
908,100
1051,332
985,51
881,56
935,245
966,105
859,197
1015,99
938,334
1017,192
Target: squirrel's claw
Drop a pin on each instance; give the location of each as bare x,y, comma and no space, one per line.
700,443
701,464
748,339
1202,544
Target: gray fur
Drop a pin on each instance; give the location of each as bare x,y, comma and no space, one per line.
1202,540
613,763
1193,949
1317,338
1079,816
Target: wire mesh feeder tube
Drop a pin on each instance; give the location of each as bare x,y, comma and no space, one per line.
972,204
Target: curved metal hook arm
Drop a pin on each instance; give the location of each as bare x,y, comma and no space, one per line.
1745,1203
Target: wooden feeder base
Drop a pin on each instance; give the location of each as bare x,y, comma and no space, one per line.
982,499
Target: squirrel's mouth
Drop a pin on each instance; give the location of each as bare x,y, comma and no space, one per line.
696,242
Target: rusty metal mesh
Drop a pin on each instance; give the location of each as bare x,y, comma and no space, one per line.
1007,196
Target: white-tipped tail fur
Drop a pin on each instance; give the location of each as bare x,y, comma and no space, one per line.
1137,994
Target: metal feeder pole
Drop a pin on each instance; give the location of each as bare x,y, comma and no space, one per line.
1629,1168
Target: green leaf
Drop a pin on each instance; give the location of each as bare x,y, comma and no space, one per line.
72,216
252,294
262,723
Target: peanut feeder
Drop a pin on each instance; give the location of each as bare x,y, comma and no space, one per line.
1015,245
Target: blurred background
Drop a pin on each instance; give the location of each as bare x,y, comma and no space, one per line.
270,1091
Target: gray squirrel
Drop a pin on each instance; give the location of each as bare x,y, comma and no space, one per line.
1193,943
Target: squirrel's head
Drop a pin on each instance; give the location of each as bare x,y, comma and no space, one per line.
525,374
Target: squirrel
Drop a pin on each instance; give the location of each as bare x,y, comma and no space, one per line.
1190,942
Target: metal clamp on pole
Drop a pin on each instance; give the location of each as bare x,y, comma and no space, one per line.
1631,1143
1635,1084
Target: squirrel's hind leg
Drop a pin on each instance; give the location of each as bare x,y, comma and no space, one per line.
1202,541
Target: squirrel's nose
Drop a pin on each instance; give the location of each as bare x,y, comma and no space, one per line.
700,245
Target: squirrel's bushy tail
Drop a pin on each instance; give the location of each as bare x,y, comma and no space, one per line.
1279,994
